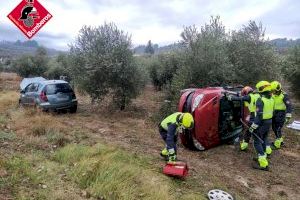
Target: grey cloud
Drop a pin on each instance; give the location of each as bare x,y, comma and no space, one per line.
12,33
284,20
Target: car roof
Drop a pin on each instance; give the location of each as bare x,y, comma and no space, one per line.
48,82
27,81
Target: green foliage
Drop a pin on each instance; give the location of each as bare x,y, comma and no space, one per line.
206,59
28,65
213,57
294,77
163,68
253,58
102,63
59,66
143,63
149,48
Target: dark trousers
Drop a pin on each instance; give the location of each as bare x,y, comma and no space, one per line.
247,134
278,122
262,131
170,139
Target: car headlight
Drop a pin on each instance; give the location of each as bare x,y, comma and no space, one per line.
197,101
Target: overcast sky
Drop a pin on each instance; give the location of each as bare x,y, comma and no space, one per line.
158,20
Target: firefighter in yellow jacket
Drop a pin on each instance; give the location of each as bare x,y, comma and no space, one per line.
168,130
262,123
282,112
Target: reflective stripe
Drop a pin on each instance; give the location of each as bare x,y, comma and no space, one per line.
252,104
171,119
268,108
279,103
254,126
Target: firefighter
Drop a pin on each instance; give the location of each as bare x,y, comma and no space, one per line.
282,112
249,97
262,123
168,130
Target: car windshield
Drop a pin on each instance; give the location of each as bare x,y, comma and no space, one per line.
58,88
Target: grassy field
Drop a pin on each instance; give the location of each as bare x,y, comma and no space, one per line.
95,154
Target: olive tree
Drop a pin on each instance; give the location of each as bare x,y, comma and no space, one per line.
32,65
102,63
253,58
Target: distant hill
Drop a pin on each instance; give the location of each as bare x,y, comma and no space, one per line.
139,50
14,49
281,44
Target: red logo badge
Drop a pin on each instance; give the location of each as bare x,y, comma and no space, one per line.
29,16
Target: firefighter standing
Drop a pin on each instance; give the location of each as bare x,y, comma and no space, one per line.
282,112
250,99
168,129
262,123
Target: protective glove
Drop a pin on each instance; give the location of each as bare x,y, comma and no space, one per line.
253,127
288,117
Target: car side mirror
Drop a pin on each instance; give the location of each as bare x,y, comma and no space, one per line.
22,92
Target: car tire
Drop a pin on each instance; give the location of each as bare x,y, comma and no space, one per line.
73,109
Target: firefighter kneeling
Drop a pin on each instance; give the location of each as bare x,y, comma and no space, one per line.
262,123
168,130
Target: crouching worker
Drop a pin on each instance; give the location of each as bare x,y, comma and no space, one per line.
249,98
282,112
169,129
262,123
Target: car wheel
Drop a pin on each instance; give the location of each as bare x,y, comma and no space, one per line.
189,141
73,109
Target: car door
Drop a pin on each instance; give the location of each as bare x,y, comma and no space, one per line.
24,95
31,94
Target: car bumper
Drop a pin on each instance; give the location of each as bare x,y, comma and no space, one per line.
48,106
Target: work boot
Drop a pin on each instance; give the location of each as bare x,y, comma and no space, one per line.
244,145
268,150
278,142
262,163
256,157
164,153
172,156
255,165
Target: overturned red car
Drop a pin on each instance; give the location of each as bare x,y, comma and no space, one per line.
217,120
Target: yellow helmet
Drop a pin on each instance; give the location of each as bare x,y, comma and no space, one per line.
276,86
263,86
187,120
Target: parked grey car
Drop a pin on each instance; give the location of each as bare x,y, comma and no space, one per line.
49,95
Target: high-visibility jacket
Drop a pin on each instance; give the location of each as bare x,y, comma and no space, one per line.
268,108
279,103
252,105
264,109
171,119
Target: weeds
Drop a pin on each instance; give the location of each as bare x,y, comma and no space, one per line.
57,138
5,136
113,174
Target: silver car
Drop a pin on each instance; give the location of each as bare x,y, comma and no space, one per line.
49,95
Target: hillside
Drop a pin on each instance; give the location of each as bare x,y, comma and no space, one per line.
281,44
15,49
